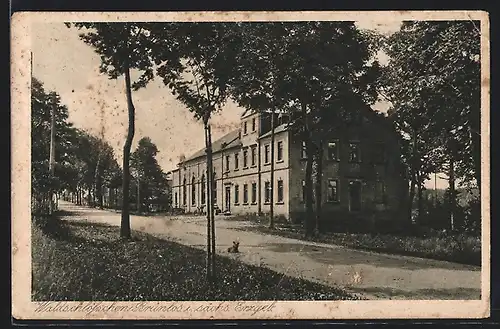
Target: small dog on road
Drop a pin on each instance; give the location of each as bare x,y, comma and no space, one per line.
234,248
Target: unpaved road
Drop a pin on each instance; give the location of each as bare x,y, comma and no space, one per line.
371,274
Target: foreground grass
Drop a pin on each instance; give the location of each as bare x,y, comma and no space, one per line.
84,261
461,249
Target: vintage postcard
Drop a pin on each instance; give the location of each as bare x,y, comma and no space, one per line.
250,165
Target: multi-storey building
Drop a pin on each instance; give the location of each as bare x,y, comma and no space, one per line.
361,170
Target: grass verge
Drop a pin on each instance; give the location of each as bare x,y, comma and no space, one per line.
461,249
82,261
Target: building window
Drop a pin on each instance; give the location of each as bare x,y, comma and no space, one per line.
215,188
254,192
236,194
379,153
203,189
280,151
266,153
303,153
267,192
245,158
175,198
303,191
280,191
380,192
227,162
245,128
245,193
236,161
333,151
354,152
253,124
254,155
333,195
193,191
184,192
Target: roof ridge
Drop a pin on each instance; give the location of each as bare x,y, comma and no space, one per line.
215,144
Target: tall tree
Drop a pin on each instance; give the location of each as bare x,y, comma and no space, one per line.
434,86
310,70
255,79
337,72
122,48
145,164
197,67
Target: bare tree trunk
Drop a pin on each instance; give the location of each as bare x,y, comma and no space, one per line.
209,201
475,135
319,190
309,195
309,221
452,199
125,216
89,196
212,216
419,197
271,196
412,197
259,176
414,179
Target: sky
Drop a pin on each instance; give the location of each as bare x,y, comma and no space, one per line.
63,63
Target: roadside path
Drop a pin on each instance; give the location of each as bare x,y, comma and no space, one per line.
371,274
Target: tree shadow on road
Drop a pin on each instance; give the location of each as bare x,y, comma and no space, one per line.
343,256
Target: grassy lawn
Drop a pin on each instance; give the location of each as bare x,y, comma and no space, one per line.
454,248
83,261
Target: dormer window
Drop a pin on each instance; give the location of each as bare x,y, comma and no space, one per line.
253,124
245,128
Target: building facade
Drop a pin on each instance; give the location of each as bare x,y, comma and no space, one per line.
361,170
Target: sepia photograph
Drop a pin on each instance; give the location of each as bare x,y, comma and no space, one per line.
259,165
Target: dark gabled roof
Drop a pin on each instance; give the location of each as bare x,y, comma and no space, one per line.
229,140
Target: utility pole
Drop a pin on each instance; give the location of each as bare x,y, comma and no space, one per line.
52,157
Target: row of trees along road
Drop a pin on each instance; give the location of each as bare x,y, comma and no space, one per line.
85,163
316,72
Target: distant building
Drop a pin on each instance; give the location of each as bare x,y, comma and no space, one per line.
361,170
